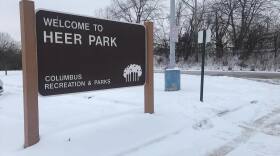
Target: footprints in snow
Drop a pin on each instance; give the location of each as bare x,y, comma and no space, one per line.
203,124
207,124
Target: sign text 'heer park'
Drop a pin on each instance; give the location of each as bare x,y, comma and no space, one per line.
77,53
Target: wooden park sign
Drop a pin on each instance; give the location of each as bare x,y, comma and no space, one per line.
77,53
65,53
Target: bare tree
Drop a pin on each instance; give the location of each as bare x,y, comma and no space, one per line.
135,11
236,22
9,52
246,14
6,42
191,18
239,26
219,16
104,13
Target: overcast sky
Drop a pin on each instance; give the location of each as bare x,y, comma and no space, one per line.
9,11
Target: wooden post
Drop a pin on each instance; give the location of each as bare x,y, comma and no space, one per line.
29,70
149,85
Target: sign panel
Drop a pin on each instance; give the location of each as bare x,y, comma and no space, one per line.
77,53
208,36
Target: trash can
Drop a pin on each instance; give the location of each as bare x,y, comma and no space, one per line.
172,79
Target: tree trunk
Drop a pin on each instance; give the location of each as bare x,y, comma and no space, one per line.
6,70
276,37
219,49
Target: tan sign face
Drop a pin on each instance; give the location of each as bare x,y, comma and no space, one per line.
77,53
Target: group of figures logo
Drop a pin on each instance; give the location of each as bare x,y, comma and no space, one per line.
132,73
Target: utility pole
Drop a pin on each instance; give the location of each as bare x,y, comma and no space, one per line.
172,75
172,34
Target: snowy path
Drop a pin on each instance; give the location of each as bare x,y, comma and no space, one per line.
238,74
238,117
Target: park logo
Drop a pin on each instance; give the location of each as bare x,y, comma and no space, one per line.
132,73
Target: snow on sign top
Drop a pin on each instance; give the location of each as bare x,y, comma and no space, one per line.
78,53
208,36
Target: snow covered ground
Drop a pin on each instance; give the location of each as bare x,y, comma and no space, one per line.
238,118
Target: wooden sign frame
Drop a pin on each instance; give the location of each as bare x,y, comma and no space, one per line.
30,72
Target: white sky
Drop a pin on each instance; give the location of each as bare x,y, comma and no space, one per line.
9,11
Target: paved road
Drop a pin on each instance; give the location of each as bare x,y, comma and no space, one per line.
239,74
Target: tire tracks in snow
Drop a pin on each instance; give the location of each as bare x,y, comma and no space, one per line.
202,123
246,134
176,132
151,141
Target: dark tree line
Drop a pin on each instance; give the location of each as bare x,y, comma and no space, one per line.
10,54
243,24
240,27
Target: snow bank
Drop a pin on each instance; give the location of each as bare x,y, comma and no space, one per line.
236,115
